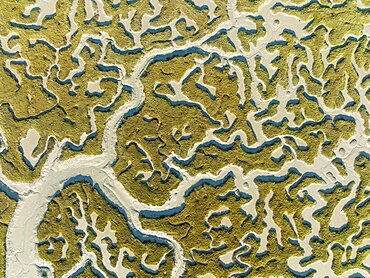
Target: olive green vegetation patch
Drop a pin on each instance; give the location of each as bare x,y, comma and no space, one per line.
7,207
154,133
60,220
